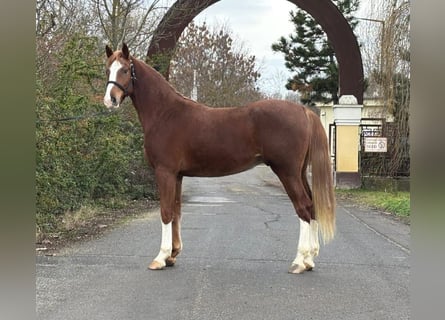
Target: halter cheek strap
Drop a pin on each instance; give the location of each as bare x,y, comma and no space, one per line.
133,78
117,84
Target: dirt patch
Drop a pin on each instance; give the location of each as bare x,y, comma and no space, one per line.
89,223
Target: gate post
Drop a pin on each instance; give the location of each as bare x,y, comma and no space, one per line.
347,116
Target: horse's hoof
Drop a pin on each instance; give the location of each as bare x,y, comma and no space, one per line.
155,265
309,265
296,269
170,262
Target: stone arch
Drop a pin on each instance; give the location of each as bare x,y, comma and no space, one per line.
339,33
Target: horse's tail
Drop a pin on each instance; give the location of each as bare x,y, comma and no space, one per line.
322,186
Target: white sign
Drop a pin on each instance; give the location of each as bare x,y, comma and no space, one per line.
376,144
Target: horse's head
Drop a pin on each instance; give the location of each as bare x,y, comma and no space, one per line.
121,76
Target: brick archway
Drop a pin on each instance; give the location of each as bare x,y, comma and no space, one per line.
339,33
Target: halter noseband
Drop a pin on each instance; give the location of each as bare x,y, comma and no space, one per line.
133,77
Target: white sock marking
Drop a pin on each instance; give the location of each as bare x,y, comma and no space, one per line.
166,244
315,243
304,245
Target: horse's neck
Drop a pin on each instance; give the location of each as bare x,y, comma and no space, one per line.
154,97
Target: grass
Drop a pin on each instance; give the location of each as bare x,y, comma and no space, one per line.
397,203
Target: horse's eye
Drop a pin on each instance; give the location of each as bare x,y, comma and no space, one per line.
125,71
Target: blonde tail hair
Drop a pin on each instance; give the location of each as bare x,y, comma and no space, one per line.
322,181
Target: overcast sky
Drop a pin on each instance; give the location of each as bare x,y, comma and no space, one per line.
258,24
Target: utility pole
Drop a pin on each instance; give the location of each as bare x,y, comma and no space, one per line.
194,94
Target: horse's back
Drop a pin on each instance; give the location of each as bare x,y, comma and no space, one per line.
278,107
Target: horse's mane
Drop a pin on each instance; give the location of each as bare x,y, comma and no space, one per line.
162,79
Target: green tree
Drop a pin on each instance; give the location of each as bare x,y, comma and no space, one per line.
309,54
225,73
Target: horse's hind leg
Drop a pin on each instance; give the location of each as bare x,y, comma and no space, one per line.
308,246
313,228
299,193
302,261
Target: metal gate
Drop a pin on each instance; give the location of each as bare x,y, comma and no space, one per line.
372,163
368,162
382,164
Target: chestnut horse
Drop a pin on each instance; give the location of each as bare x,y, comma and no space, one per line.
186,138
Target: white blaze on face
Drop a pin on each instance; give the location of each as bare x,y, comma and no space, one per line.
114,68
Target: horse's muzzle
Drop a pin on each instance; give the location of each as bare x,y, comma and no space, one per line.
112,102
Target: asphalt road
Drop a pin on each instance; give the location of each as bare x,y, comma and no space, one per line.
239,235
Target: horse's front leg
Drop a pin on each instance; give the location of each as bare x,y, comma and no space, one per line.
166,182
176,225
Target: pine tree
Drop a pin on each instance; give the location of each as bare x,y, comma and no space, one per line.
309,54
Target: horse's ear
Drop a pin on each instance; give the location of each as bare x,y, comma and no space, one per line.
108,51
125,51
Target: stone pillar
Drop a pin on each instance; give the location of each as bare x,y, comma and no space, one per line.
347,116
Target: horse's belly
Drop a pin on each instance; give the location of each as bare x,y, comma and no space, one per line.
220,165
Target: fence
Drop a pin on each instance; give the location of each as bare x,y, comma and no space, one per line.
387,163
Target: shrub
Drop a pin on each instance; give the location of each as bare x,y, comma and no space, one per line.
83,155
